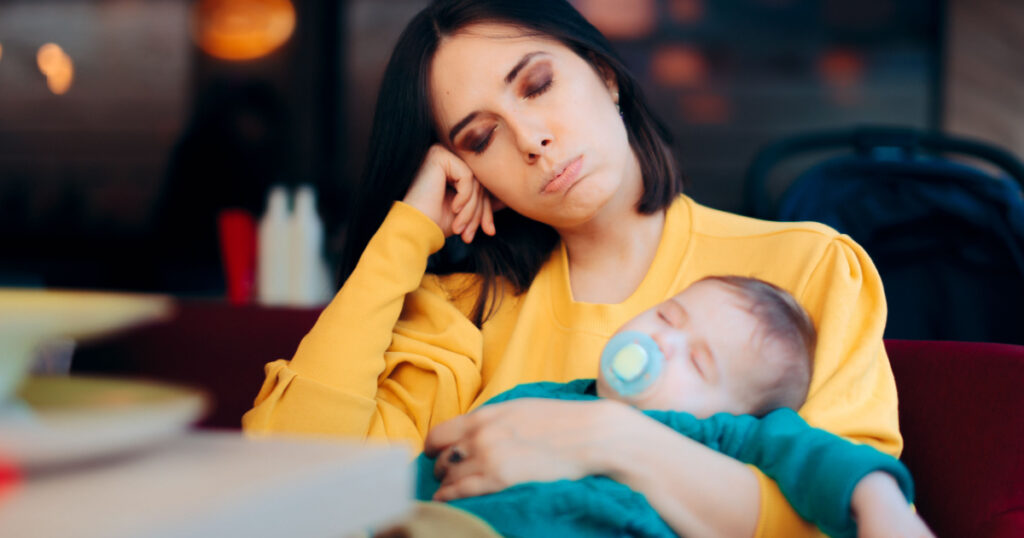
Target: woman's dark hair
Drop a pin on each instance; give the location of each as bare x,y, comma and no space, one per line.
404,129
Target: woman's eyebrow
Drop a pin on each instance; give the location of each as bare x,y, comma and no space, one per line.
519,66
508,80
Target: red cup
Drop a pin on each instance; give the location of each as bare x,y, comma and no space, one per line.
238,253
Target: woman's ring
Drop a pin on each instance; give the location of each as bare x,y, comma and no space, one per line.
456,455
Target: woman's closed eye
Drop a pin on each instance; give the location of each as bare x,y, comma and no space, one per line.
478,145
535,89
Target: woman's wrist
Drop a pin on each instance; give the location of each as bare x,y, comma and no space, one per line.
877,491
620,434
698,491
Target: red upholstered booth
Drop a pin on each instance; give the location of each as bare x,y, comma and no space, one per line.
962,418
961,404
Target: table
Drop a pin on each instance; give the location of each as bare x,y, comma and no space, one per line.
217,484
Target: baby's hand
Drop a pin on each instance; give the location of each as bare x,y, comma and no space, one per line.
881,510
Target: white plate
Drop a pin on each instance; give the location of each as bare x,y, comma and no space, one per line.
65,420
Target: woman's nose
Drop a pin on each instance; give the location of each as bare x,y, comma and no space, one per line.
532,137
534,153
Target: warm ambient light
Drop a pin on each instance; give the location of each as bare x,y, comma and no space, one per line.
686,11
843,72
621,19
243,29
1,51
56,65
678,66
705,108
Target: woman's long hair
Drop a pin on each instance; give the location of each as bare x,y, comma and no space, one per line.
403,131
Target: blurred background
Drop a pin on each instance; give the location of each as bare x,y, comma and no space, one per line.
204,152
127,126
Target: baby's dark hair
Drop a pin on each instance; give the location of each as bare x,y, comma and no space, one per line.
785,324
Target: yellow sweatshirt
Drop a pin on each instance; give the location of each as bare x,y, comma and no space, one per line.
395,354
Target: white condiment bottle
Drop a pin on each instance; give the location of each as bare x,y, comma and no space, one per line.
308,276
272,257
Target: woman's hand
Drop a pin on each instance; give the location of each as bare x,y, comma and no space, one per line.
696,490
509,443
445,190
881,510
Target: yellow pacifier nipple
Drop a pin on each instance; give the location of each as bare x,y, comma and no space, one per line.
629,362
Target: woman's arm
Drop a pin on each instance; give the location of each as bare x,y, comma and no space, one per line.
698,491
852,392
880,511
389,357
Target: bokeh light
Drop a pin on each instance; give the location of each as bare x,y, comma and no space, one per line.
841,67
621,19
843,72
1,51
679,66
705,108
56,66
686,11
243,29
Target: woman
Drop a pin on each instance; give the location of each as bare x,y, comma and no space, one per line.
516,103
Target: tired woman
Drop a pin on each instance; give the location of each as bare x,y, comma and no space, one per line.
513,125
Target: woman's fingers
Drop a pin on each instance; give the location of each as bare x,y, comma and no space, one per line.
487,223
474,221
469,486
460,177
462,206
451,455
429,192
446,434
465,213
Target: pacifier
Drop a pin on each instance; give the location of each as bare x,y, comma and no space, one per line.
631,362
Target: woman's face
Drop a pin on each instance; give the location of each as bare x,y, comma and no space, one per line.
536,123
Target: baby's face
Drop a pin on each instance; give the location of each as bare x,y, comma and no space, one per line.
707,336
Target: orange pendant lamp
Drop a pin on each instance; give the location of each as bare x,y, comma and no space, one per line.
242,29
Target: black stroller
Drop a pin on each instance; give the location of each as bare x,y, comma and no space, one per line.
946,235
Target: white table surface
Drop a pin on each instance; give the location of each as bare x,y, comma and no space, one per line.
217,484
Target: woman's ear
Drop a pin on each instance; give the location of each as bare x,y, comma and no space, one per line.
607,75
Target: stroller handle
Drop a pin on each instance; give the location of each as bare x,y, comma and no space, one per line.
864,140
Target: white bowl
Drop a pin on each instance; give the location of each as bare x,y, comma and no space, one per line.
29,317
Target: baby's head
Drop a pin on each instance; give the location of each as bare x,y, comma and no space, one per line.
731,344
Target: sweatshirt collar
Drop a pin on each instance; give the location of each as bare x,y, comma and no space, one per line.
661,279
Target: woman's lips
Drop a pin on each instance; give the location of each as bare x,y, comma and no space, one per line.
566,178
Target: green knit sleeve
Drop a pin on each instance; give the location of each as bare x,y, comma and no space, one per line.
816,470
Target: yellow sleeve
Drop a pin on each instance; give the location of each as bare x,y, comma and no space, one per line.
389,358
852,393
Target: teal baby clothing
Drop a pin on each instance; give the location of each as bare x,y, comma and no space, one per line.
816,471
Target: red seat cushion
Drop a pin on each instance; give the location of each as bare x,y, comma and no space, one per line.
962,418
209,345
